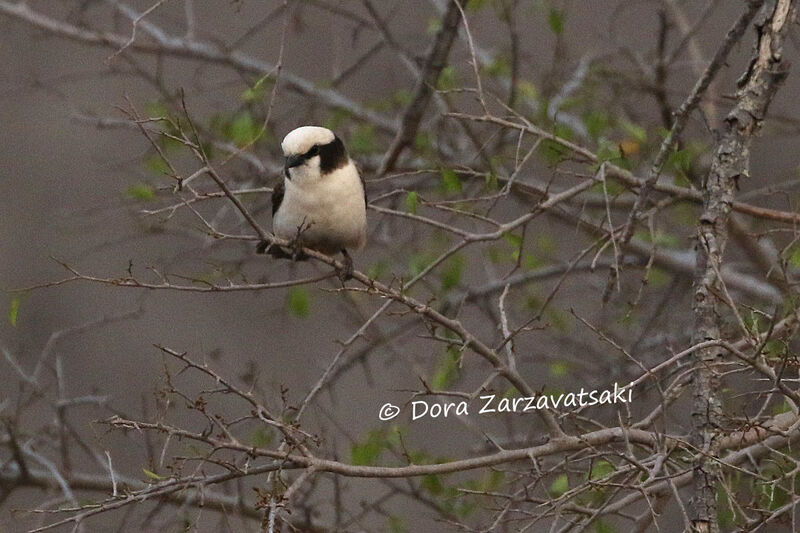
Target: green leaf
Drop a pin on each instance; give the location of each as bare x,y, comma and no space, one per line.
661,238
402,97
555,19
451,183
142,191
362,141
419,262
243,129
451,272
682,161
299,302
251,94
336,118
530,261
597,123
560,485
394,436
782,407
494,255
434,25
552,151
657,278
559,369
527,90
396,524
499,67
256,92
365,454
156,109
156,164
772,495
411,202
513,239
448,78
794,259
423,142
493,480
636,132
171,144
378,269
260,438
558,319
608,151
601,469
152,475
368,451
603,527
491,181
433,484
13,311
725,513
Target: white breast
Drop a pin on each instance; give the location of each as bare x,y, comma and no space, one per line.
330,210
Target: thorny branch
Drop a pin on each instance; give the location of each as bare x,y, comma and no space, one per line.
757,87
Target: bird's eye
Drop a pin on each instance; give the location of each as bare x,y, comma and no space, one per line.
313,151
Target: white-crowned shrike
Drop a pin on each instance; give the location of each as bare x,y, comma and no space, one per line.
321,203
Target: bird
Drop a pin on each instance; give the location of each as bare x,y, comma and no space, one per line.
321,201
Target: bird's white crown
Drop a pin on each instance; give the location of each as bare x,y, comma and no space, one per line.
300,140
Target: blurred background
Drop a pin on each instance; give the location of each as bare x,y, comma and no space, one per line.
77,177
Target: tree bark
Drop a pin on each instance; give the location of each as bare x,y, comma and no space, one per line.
756,88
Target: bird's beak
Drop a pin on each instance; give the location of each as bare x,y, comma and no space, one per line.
292,161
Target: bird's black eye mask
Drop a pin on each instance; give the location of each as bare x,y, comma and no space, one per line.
331,156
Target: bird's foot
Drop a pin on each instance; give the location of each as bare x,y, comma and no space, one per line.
346,272
264,247
296,251
296,244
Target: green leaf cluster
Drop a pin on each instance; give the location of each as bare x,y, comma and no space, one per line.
143,192
451,183
555,20
298,302
369,449
451,272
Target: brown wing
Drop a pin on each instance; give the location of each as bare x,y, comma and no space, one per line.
277,196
